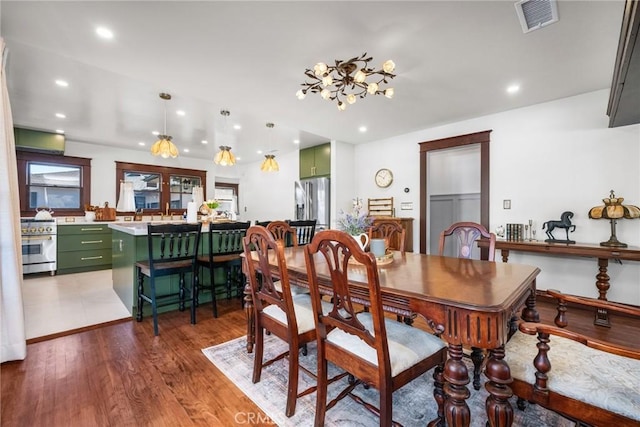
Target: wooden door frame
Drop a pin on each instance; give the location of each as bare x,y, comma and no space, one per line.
483,138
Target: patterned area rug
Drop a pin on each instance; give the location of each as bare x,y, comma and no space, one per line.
413,405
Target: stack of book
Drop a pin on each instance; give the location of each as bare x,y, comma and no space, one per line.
515,232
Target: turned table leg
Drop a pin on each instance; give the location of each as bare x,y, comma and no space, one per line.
456,375
602,283
499,410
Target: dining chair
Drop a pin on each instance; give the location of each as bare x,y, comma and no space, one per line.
390,230
305,230
278,312
284,232
172,249
224,249
460,238
377,351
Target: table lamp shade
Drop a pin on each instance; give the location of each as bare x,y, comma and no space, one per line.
613,209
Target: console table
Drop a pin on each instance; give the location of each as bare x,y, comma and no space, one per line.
602,253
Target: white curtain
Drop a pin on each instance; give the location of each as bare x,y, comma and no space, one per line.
12,334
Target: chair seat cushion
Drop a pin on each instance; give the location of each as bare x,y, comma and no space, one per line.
407,345
598,378
295,289
167,267
303,311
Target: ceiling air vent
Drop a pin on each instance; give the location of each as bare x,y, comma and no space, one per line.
535,14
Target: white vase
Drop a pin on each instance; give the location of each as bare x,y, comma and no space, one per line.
89,216
362,239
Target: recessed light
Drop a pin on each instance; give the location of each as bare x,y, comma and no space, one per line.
186,150
204,141
362,129
62,83
180,113
59,131
141,143
296,141
61,116
513,88
238,158
155,132
237,127
259,151
104,33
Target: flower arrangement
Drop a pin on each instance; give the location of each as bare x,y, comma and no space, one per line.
355,222
212,203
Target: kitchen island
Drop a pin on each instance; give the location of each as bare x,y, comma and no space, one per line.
129,245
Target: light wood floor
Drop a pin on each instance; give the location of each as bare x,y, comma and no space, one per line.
121,375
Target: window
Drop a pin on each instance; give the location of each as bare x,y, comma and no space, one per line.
159,188
227,195
61,183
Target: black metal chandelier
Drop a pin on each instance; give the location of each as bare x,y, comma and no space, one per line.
347,80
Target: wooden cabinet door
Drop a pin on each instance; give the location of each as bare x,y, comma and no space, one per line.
322,160
307,162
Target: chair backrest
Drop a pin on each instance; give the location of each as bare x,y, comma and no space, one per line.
390,230
331,252
258,244
462,237
282,231
226,237
262,223
173,242
305,230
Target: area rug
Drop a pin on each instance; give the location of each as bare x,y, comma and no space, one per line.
413,405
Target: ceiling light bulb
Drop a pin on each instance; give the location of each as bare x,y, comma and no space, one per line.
372,88
325,94
301,94
360,76
105,33
320,68
388,66
327,80
389,92
351,98
342,106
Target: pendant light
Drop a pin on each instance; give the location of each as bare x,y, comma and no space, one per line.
163,147
225,157
269,164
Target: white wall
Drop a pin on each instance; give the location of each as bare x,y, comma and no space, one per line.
546,158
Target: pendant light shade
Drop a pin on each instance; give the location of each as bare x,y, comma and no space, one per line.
269,164
225,157
163,147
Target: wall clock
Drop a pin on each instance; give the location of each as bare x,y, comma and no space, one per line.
384,178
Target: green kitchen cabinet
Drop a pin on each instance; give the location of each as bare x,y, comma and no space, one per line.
315,161
83,247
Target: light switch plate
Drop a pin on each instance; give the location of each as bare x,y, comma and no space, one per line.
506,204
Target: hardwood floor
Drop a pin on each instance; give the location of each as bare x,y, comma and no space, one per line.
122,375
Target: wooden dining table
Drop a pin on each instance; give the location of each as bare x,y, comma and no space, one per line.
470,303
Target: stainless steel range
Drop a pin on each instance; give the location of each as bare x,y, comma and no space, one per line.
39,245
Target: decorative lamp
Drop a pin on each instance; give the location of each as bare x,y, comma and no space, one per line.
347,80
613,210
225,157
163,147
269,164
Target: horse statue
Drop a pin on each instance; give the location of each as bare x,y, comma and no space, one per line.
564,222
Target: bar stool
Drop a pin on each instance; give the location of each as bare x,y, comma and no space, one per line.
173,249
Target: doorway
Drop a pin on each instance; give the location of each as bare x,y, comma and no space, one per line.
435,146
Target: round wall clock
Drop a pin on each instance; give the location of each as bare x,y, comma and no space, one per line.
384,178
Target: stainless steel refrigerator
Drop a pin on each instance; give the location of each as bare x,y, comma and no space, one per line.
313,201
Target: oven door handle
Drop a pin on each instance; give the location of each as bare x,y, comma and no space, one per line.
37,237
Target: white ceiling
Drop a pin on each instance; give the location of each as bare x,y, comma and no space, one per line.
453,59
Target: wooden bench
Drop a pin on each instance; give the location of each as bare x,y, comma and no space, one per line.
588,380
